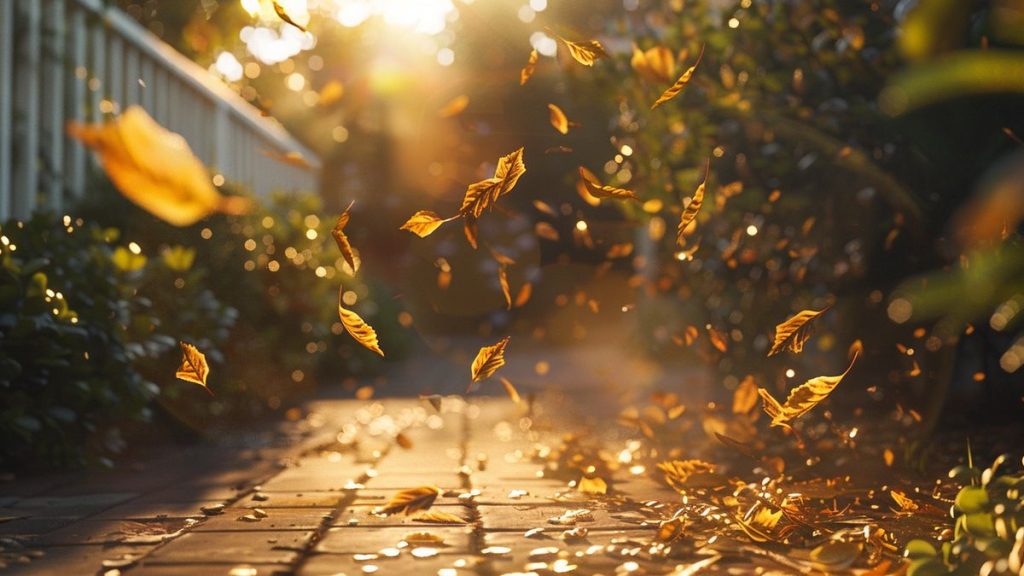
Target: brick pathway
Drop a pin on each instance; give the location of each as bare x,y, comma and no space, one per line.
300,500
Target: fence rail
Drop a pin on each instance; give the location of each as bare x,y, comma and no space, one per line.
63,60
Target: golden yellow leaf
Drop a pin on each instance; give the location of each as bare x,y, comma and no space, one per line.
531,66
766,519
410,500
585,53
718,340
357,328
592,486
347,252
690,212
599,190
671,530
193,366
423,538
331,93
438,517
424,222
583,190
155,168
745,398
906,503
283,15
454,107
546,231
469,227
558,119
523,296
505,290
510,389
680,83
679,473
802,399
403,441
888,457
655,64
482,195
488,360
794,332
292,158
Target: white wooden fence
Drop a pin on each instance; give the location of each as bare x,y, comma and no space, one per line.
64,60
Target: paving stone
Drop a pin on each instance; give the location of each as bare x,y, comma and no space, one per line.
334,564
277,519
70,506
28,526
295,499
363,516
412,479
193,493
73,560
258,547
525,517
155,510
375,497
358,540
109,531
241,569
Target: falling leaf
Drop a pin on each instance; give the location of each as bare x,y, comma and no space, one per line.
801,399
592,486
438,517
488,360
545,208
344,245
690,212
679,473
531,66
454,107
888,457
523,296
655,64
505,290
410,500
558,119
482,195
291,158
585,53
510,390
599,190
193,366
283,15
745,398
424,222
793,333
330,94
357,328
155,168
680,83
717,340
403,441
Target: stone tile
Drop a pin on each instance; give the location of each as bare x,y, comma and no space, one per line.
70,506
277,519
76,559
257,547
155,510
526,517
334,564
108,531
377,497
27,526
295,500
359,540
193,493
212,570
411,479
363,516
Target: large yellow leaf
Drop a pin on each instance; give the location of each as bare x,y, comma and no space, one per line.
585,53
193,366
438,517
454,107
424,222
598,190
357,328
155,168
794,332
690,212
683,474
802,399
531,66
488,360
482,195
745,397
410,500
680,83
347,252
558,119
655,64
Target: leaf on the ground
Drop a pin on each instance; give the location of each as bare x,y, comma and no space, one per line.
283,15
483,195
424,222
802,399
680,83
835,556
488,360
585,53
410,500
357,328
598,190
454,107
694,473
193,367
419,538
593,485
155,168
530,68
510,389
671,530
558,119
745,398
793,333
905,503
438,517
338,232
690,211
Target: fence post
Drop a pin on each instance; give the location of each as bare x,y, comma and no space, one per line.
26,101
75,99
53,105
6,114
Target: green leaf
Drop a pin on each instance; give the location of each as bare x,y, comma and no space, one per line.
920,549
927,567
972,499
